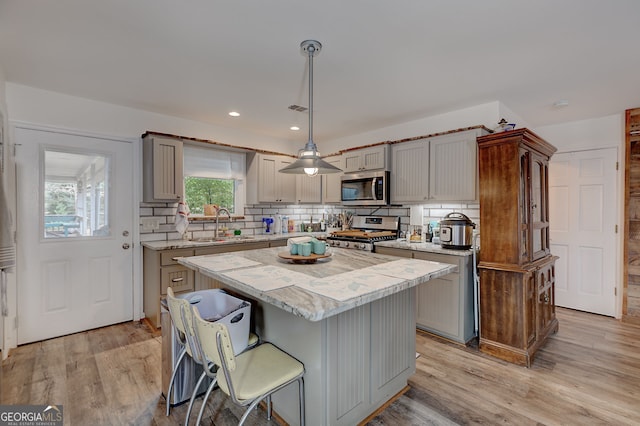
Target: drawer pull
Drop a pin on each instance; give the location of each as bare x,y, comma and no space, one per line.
177,280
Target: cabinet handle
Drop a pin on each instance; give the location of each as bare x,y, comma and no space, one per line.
177,280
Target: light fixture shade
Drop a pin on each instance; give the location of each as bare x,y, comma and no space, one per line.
309,161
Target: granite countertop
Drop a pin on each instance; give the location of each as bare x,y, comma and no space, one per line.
346,279
204,242
428,247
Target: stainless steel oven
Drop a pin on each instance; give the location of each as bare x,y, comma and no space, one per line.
365,189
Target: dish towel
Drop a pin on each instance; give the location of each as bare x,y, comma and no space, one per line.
7,247
182,218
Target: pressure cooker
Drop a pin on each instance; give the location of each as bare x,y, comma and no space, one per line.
456,231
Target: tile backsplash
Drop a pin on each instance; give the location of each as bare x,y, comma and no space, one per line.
163,215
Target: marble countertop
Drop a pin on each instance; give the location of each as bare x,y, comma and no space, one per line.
178,244
428,247
346,279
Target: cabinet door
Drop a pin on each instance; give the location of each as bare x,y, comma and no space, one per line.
274,186
331,182
309,189
524,209
163,169
285,183
373,158
453,167
546,300
438,306
410,171
539,207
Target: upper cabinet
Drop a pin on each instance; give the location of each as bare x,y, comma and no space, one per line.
331,190
372,158
309,189
266,183
410,172
441,168
162,169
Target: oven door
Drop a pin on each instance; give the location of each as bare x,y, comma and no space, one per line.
365,189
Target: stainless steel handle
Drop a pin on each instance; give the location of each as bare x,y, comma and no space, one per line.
373,189
125,246
177,280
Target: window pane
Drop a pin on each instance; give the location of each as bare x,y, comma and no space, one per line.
200,191
75,194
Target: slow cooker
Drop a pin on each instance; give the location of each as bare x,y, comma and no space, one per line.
456,231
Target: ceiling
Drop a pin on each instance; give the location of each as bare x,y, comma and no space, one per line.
382,62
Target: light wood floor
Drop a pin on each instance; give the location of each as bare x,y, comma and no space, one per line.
587,374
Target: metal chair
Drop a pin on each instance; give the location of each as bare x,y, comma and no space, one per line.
251,376
183,308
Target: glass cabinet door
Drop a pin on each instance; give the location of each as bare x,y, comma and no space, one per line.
539,207
524,199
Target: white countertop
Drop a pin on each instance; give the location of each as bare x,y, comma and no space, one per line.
346,279
178,244
428,247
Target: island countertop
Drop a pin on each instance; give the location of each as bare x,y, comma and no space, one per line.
346,279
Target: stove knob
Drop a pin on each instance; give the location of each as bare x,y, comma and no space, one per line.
361,246
346,244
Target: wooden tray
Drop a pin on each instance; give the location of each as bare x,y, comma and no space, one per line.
296,258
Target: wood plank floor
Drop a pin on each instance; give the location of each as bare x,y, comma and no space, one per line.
587,374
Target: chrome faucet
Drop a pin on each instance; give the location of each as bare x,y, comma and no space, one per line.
218,215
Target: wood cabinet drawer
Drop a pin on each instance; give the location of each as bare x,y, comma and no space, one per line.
178,277
167,257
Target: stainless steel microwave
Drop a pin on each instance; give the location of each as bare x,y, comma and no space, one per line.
365,189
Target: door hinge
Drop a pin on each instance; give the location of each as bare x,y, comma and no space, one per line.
616,229
615,291
617,165
15,323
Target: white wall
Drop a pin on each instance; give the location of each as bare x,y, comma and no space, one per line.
486,114
43,107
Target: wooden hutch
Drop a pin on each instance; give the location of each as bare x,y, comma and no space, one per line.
516,267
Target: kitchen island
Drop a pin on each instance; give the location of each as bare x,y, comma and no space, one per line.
349,318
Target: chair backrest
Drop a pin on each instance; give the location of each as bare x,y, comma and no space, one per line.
180,310
216,346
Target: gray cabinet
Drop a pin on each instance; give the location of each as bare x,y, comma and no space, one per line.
410,171
163,178
440,168
161,271
444,306
309,189
331,188
372,158
265,183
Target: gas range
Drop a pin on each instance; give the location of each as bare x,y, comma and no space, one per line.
366,230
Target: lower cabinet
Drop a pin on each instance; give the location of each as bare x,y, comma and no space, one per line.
161,270
444,306
517,310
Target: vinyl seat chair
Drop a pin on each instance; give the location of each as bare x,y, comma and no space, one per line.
252,376
181,309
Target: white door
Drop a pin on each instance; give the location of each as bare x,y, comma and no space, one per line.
583,211
75,264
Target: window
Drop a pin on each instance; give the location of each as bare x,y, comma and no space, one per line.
214,176
75,194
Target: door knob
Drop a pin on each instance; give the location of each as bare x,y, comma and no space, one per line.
125,233
126,246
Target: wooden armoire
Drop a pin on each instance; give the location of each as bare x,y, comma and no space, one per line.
516,267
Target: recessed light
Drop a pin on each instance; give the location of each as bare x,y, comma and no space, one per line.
234,114
294,128
561,103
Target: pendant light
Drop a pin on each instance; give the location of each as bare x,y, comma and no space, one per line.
309,161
